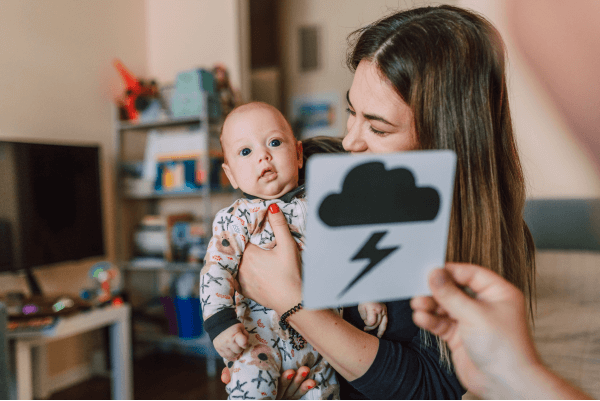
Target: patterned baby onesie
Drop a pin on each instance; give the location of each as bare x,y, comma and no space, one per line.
256,372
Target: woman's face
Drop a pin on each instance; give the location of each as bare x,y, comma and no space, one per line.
379,121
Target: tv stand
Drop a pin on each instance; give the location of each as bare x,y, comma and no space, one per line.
117,318
32,283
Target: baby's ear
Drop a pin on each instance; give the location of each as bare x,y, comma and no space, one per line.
300,154
229,175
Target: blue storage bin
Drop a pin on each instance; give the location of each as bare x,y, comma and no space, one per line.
189,317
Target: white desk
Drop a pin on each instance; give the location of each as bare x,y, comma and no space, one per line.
118,319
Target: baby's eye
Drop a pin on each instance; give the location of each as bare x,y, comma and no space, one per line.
275,143
245,152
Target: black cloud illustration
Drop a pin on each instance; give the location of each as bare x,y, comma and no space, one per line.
373,195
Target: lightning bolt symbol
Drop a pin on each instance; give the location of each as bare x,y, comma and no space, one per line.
371,252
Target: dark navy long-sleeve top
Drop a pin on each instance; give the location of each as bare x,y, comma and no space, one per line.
405,366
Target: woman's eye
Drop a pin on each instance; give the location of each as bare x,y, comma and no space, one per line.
245,152
375,131
350,111
275,143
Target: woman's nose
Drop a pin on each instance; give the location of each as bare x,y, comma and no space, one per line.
353,141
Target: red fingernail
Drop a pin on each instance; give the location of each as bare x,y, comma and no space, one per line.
310,387
290,376
273,208
304,374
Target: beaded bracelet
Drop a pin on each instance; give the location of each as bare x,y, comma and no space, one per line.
296,340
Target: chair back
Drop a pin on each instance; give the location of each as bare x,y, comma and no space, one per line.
564,224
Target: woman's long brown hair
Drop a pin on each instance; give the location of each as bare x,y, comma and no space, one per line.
448,64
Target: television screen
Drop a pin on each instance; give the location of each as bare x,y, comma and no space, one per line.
50,208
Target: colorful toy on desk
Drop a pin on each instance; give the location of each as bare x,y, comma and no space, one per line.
30,309
103,274
63,303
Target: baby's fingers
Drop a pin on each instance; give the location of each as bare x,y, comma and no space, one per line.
382,326
372,319
228,354
241,340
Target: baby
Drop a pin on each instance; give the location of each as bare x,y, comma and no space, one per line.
263,159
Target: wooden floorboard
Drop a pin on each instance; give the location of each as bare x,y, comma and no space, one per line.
159,376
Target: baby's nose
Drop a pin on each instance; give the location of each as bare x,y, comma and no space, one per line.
264,154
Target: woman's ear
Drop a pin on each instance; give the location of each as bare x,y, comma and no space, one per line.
229,175
300,154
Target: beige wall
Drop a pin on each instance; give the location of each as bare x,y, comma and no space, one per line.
57,84
336,19
555,164
186,34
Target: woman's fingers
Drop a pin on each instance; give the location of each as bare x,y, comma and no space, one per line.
481,282
455,300
438,325
281,230
293,384
225,375
284,382
424,303
304,388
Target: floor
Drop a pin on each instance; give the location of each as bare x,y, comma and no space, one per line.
159,376
567,336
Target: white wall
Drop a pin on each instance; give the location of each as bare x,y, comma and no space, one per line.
187,34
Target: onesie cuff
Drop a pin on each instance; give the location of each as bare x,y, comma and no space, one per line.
220,322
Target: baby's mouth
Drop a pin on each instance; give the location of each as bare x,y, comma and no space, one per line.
268,173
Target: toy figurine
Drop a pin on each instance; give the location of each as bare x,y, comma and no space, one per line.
228,96
139,95
103,274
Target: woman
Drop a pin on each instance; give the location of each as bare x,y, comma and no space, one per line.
427,78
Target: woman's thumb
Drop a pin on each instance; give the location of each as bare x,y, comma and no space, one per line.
449,296
280,227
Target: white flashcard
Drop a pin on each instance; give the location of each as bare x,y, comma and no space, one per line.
377,225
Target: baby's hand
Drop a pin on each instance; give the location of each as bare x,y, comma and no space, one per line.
374,314
232,342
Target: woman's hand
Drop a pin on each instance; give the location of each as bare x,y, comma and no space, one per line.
488,334
273,278
292,384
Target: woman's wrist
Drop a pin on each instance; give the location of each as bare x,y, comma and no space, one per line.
532,381
287,299
540,382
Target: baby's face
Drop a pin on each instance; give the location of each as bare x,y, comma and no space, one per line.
262,155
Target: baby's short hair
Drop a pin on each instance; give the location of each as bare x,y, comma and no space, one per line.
316,145
247,107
